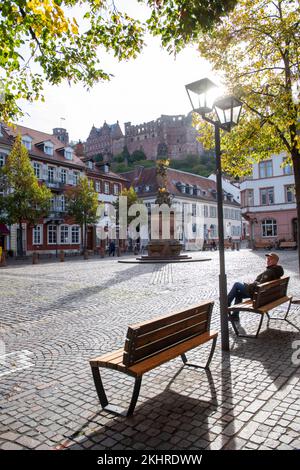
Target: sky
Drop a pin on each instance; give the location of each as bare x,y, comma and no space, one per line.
140,91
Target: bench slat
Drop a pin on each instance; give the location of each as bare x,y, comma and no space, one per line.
167,330
171,353
248,306
164,343
106,357
148,338
160,321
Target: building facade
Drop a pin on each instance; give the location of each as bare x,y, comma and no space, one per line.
106,141
173,135
57,165
195,198
109,186
268,202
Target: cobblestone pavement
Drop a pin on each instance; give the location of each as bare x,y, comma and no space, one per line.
55,316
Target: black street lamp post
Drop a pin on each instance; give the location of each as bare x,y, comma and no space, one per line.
227,111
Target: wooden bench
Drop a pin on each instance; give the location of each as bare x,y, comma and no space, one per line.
154,342
228,244
265,244
289,244
266,297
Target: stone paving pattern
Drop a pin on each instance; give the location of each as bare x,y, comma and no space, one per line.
58,315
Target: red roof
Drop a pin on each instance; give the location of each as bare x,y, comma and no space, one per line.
39,137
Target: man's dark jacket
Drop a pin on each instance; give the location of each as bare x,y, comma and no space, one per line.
270,274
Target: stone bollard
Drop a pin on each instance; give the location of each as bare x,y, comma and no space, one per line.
85,254
35,257
61,255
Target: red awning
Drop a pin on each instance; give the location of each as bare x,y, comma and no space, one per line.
3,229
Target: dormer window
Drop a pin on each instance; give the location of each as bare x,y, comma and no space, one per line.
106,168
90,164
48,148
68,151
27,141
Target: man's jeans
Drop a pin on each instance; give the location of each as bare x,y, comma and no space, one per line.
238,292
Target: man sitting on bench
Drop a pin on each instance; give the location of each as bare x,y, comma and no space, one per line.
242,291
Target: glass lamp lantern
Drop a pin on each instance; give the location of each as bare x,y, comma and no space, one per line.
201,95
228,110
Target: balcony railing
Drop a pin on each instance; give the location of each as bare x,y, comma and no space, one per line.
54,184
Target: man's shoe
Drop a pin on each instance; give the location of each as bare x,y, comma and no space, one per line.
235,317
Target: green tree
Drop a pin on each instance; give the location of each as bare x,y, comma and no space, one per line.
132,198
24,199
40,40
82,204
136,156
257,49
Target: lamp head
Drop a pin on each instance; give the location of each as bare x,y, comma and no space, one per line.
201,96
228,110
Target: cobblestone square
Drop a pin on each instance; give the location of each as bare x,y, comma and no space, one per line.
55,316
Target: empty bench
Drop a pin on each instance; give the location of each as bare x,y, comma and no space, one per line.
154,342
264,244
267,296
289,244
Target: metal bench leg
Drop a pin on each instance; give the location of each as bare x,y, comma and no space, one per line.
247,336
184,359
288,309
234,326
135,395
103,398
259,326
99,387
213,347
212,350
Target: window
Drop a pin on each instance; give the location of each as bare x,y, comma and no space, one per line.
48,149
116,189
26,141
194,211
212,211
289,193
287,169
37,238
97,186
75,234
269,228
63,176
75,177
2,159
213,231
36,169
265,169
267,196
249,197
226,213
63,203
205,211
64,234
52,204
90,164
106,188
52,234
68,154
50,174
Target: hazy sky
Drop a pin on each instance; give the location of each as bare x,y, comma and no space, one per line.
141,90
